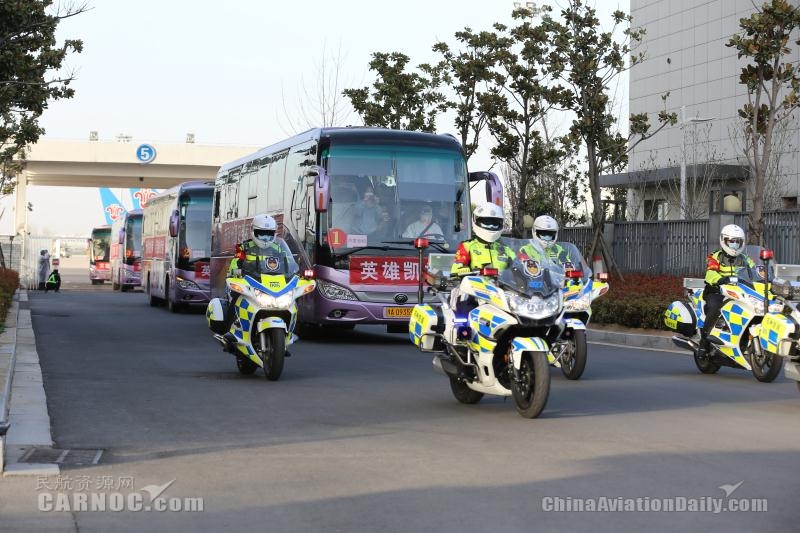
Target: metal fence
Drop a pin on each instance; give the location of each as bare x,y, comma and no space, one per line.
781,234
580,237
676,247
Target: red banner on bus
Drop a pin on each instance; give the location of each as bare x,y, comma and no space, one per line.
368,270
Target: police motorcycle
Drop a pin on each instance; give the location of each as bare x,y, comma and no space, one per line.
265,314
570,348
735,336
502,345
780,331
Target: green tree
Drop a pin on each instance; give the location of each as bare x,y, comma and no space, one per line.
470,71
30,60
522,97
773,87
587,60
401,99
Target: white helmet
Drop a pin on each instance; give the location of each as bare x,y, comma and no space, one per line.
487,222
264,230
545,231
731,238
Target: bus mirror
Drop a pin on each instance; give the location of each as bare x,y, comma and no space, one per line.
321,189
121,237
494,188
174,219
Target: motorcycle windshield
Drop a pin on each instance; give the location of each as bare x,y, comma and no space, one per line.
532,272
566,256
759,274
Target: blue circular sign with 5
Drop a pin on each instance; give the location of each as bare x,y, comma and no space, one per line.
145,153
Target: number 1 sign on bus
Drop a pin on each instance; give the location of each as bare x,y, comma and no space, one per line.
350,202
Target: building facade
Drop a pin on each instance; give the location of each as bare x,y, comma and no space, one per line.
686,55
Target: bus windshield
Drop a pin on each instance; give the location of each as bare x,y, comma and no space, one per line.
385,194
133,239
100,239
195,230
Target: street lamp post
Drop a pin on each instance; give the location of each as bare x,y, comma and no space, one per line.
684,122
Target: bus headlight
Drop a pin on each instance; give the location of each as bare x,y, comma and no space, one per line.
333,291
186,284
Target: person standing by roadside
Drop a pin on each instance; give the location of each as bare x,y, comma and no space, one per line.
44,268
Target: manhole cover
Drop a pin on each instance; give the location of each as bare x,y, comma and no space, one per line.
73,457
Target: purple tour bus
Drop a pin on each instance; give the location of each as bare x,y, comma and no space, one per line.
176,233
126,251
99,270
349,203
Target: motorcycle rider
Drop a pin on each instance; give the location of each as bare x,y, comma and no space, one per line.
545,233
482,250
720,265
253,259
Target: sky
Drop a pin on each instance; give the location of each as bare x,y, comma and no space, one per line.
229,71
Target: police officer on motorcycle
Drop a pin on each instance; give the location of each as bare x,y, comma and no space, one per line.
545,233
721,264
253,258
481,251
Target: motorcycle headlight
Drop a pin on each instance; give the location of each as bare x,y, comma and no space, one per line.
776,307
333,291
274,302
535,308
186,283
578,304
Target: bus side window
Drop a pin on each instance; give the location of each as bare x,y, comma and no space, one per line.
216,204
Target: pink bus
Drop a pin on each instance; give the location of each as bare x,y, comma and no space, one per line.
126,251
176,234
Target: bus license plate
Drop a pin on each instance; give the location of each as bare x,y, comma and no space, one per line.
397,312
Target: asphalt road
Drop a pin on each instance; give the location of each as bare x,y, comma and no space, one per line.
361,435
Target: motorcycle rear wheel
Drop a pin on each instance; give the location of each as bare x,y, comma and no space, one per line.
245,366
463,393
530,395
705,364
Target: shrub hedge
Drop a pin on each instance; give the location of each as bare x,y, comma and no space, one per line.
638,300
9,282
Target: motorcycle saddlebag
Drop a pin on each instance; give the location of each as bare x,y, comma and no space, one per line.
680,319
215,314
426,322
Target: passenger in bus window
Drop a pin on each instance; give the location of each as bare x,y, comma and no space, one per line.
424,226
368,213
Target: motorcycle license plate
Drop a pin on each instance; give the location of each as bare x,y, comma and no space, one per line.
397,312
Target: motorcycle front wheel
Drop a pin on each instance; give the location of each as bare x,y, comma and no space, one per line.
273,353
766,366
575,363
531,391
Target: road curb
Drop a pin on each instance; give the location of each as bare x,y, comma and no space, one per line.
24,401
8,357
634,340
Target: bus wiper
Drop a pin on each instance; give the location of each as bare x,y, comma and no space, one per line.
439,245
370,247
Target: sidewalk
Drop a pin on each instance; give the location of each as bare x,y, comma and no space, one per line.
28,417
